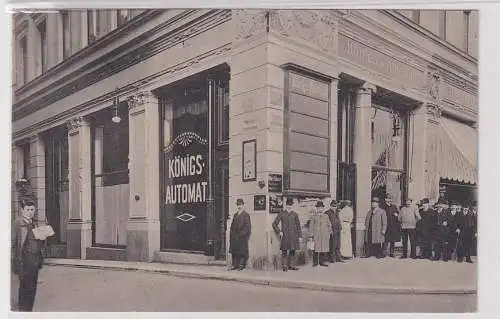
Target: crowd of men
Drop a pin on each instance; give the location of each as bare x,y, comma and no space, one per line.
440,231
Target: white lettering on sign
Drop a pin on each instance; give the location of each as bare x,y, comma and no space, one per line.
378,61
186,193
185,166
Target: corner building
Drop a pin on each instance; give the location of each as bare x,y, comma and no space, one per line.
138,129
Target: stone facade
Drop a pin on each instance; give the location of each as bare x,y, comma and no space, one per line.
373,51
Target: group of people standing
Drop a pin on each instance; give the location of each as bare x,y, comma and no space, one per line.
438,230
329,235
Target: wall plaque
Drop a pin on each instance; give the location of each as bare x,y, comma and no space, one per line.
249,161
275,204
275,183
259,202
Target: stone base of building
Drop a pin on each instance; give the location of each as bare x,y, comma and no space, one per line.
99,253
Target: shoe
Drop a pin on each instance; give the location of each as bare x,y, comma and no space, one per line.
391,255
241,268
234,268
315,265
445,260
285,269
403,257
460,260
469,261
340,261
293,268
414,257
324,265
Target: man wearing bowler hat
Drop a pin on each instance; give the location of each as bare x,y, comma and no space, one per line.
241,228
376,226
290,234
320,229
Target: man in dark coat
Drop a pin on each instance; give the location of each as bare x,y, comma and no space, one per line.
474,213
241,228
393,233
427,228
26,254
441,233
290,234
466,235
333,214
454,229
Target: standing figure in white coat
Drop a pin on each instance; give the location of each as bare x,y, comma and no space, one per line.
346,216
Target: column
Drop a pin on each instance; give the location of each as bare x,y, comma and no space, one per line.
143,228
431,173
79,230
416,154
37,173
333,137
362,159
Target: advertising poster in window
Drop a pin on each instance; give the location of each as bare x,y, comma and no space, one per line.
185,172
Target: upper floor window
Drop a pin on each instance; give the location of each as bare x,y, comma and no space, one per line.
23,60
66,34
25,149
92,25
42,47
442,24
467,30
123,16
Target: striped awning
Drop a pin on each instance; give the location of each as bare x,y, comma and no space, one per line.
457,151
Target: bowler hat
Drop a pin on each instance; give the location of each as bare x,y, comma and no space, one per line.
289,201
442,201
375,200
239,201
333,202
320,204
425,201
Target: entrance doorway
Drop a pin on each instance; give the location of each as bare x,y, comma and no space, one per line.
194,163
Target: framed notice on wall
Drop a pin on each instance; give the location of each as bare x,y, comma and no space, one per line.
249,160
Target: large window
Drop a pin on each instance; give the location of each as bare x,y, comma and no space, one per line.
222,103
66,34
307,131
25,150
388,134
42,47
92,25
23,60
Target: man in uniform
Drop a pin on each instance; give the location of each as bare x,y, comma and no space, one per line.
241,228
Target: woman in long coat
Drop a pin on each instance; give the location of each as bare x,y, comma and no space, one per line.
346,216
320,230
376,226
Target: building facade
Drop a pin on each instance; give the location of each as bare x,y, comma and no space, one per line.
136,130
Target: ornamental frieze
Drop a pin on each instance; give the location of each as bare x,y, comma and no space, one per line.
249,23
315,27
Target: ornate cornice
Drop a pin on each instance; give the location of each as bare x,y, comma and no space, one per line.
75,123
318,28
249,23
69,85
432,85
434,111
140,99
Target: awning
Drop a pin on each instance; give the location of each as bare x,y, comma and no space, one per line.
457,151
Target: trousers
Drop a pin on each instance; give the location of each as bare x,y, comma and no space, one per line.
409,234
28,280
287,258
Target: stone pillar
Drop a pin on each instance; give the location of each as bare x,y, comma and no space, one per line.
416,169
79,230
362,159
333,137
53,21
143,228
431,173
37,173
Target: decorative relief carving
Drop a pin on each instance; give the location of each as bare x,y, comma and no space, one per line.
317,27
433,82
140,99
379,62
75,123
249,23
434,110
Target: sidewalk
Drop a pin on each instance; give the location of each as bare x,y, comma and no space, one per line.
358,275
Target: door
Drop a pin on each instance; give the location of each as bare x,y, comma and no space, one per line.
221,209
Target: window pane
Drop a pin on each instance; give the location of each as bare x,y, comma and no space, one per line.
387,149
388,182
222,103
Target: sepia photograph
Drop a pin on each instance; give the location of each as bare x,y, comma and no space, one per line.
244,160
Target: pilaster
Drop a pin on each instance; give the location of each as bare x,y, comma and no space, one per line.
143,229
79,231
37,173
431,173
362,158
333,137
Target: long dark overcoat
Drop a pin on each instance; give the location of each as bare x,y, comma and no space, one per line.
442,226
336,227
290,226
428,224
393,233
239,234
379,225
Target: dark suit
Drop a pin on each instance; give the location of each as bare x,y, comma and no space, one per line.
466,225
26,261
441,234
241,228
334,253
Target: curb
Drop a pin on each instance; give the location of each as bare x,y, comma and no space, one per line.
279,282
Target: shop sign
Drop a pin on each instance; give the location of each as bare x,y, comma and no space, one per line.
275,183
179,168
275,204
259,202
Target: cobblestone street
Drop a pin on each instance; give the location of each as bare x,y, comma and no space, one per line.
73,289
